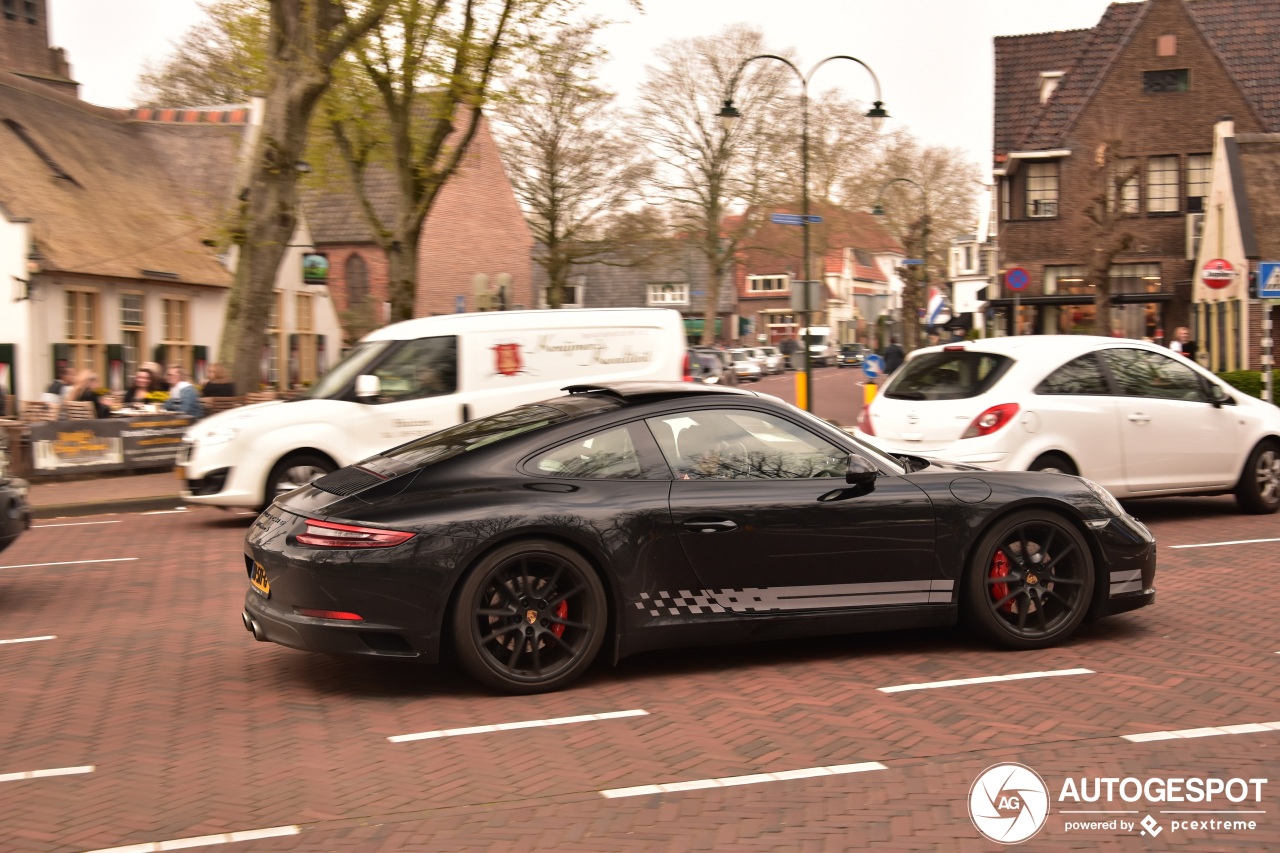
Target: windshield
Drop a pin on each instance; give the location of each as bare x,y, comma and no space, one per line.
351,366
456,440
947,375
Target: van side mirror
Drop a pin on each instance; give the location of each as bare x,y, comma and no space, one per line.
860,471
367,385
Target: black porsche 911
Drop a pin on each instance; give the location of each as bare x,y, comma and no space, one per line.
636,516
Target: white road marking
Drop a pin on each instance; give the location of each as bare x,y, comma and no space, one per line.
526,724
72,524
752,779
28,639
70,563
1207,731
986,679
1220,544
203,840
164,511
42,774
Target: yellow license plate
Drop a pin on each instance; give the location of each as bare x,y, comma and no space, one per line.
259,580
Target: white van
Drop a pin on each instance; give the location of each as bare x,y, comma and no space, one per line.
821,350
416,377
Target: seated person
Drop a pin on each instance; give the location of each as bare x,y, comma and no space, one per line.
143,384
85,391
182,394
219,384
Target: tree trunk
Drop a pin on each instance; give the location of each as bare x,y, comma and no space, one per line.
402,274
711,249
910,312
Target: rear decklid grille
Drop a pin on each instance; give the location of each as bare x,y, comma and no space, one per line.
348,481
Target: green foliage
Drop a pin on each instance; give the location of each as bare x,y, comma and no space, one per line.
1249,381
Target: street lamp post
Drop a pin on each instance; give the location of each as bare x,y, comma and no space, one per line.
925,222
728,114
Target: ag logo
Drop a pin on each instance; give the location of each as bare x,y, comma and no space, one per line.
1008,803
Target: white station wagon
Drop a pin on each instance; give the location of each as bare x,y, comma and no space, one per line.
1132,416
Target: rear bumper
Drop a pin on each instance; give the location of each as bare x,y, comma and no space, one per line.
269,622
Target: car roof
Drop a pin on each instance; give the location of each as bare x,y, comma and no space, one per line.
648,392
1040,346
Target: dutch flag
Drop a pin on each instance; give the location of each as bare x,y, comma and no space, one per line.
938,311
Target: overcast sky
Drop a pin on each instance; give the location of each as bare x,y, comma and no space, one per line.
934,58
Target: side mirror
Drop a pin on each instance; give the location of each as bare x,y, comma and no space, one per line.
1218,395
860,471
367,385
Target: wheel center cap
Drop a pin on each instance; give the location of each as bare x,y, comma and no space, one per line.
531,616
1032,580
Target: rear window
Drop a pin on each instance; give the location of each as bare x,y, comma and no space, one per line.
456,440
953,375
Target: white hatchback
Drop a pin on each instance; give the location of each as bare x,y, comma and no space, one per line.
1132,416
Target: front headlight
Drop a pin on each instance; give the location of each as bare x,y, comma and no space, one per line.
1104,497
217,435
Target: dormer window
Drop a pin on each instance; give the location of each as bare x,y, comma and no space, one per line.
1049,81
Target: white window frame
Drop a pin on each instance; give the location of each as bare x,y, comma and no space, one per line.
669,293
575,287
134,359
768,284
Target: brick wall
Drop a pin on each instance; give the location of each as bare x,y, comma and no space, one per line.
376,266
475,227
24,49
1149,125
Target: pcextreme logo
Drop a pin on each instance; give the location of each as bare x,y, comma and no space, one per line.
1009,803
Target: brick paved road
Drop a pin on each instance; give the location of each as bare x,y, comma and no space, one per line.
195,729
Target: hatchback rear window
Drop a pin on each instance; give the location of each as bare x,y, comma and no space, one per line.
951,375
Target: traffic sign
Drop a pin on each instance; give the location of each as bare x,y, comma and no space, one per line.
1017,278
873,366
1269,280
459,304
793,218
911,262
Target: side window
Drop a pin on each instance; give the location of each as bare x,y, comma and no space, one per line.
1139,373
728,444
426,367
1081,375
608,455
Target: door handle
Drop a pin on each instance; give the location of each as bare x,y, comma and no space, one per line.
721,526
1139,418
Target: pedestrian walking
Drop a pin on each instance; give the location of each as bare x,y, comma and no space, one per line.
893,356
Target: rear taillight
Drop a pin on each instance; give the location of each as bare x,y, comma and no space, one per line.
864,421
330,534
688,367
340,615
991,420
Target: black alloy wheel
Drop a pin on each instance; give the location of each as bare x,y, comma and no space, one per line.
1259,488
1030,580
530,617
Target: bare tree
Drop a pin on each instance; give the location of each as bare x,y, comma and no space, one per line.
1107,211
306,39
707,172
843,145
571,171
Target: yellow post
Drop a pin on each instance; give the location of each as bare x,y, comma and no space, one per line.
802,390
868,393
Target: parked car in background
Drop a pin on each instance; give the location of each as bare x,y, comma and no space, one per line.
15,511
771,360
1133,416
745,366
728,376
671,514
708,368
850,355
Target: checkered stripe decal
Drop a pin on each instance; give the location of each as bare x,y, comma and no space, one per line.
779,598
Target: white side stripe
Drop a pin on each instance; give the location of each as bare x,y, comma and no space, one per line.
1209,731
752,779
29,639
70,563
1219,544
164,511
524,724
986,679
72,524
42,774
203,840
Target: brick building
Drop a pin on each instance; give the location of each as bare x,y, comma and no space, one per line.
474,228
1141,92
25,49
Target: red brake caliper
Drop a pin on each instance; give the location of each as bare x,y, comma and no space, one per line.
1000,569
562,612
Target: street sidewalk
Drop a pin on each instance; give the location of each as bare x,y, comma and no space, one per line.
105,494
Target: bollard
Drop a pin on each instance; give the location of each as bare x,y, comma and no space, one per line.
868,393
802,390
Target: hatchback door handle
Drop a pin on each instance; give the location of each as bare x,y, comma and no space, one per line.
722,526
1139,418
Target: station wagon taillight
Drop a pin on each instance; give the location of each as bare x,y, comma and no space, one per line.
864,421
991,420
330,534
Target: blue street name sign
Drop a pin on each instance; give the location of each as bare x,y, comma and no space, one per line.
873,366
793,218
459,304
911,262
1269,280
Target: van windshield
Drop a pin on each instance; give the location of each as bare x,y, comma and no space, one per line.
351,366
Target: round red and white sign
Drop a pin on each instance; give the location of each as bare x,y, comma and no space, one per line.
1217,274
